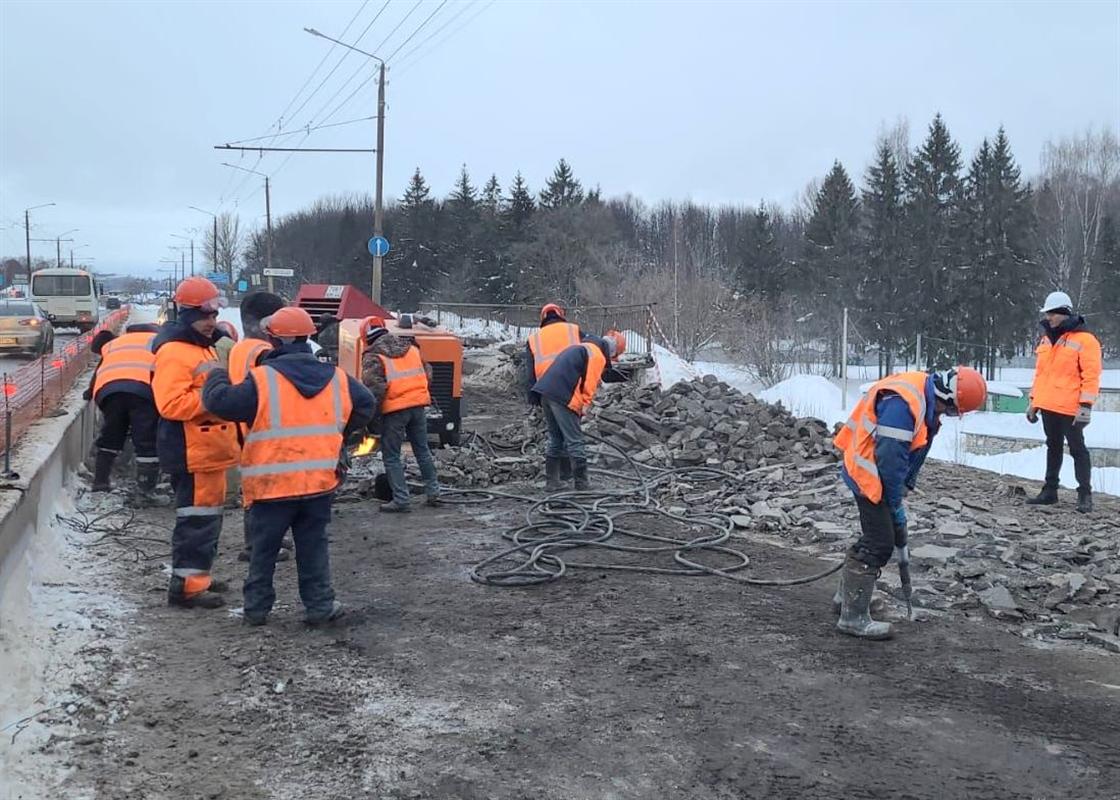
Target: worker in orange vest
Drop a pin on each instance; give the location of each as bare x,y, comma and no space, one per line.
566,391
122,389
397,376
884,443
298,413
1067,382
195,447
554,336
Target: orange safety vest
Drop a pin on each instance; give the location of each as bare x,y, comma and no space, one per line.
1066,373
406,382
550,341
129,357
294,442
584,391
243,356
857,438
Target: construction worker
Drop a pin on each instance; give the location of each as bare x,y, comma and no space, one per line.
298,413
195,447
884,443
397,376
554,335
565,391
122,389
1067,380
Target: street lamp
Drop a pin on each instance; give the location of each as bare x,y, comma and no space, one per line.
191,240
72,249
267,214
58,240
27,229
215,254
378,216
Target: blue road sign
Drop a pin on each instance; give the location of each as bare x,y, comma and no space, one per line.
378,246
218,278
243,286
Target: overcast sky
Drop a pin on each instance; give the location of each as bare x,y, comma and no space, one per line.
110,110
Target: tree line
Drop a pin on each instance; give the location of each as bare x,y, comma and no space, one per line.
924,242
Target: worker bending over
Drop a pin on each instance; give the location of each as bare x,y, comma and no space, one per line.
566,390
195,447
884,444
398,378
1067,380
298,412
122,389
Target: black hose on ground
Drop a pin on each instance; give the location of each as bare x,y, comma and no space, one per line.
570,521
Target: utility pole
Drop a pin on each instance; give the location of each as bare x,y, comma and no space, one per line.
27,230
844,357
268,220
377,210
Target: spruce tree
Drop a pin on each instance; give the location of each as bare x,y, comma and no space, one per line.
1104,309
519,209
415,243
492,197
760,268
884,249
562,189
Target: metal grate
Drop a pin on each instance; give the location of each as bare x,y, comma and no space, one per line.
442,383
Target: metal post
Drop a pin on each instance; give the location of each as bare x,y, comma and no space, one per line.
377,212
844,357
27,229
58,251
215,242
43,386
8,441
71,259
192,257
918,353
268,242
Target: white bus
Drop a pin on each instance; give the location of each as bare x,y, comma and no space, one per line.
67,296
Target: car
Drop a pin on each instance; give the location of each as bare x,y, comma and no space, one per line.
112,303
24,328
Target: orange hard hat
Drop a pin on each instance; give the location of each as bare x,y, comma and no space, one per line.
229,328
288,323
618,342
963,387
552,308
198,292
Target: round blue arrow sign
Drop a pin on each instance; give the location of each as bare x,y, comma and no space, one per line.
378,246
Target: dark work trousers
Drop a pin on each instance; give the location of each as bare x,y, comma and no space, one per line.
565,435
200,499
411,425
124,413
1059,430
269,520
876,541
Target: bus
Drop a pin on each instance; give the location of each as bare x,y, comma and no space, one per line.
67,296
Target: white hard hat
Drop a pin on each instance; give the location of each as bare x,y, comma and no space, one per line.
1055,301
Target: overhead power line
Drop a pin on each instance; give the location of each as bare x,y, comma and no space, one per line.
295,149
304,130
450,21
446,38
419,28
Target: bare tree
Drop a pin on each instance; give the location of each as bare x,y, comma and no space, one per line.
229,246
1080,179
897,138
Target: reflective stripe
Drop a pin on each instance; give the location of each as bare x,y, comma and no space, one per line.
277,430
1070,343
199,511
293,466
1088,397
186,572
114,452
868,425
336,392
550,357
117,348
291,433
205,366
392,373
901,434
147,365
147,459
274,420
903,388
864,464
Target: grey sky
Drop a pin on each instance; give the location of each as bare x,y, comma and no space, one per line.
110,109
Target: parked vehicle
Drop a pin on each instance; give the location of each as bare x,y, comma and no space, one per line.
112,303
67,296
24,328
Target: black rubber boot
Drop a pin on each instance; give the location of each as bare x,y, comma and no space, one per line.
858,584
337,610
552,481
579,474
1084,502
147,478
177,597
1047,497
102,468
565,469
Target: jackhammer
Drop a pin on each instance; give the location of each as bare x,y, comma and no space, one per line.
902,553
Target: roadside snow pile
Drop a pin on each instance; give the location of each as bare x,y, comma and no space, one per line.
808,396
669,368
473,328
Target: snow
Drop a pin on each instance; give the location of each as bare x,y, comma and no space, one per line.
808,396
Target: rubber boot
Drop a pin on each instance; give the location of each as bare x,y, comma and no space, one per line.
855,615
102,468
337,610
393,507
877,604
147,478
552,481
1047,497
579,474
565,469
177,596
1084,502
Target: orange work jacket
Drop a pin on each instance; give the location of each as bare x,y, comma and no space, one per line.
210,444
406,382
857,438
550,341
129,357
584,391
1066,373
293,445
243,356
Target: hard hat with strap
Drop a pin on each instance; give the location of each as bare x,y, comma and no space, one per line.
198,292
290,322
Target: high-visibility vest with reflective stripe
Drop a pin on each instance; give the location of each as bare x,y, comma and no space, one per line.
584,391
857,438
293,445
243,356
406,382
129,357
550,341
1067,373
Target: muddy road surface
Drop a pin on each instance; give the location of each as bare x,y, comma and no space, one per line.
599,685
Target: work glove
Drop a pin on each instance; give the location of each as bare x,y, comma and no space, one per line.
1081,418
87,395
342,469
1032,415
223,346
898,516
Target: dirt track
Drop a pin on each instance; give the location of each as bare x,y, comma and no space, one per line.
598,686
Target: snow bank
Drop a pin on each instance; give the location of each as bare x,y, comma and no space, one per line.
669,368
1104,431
808,396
